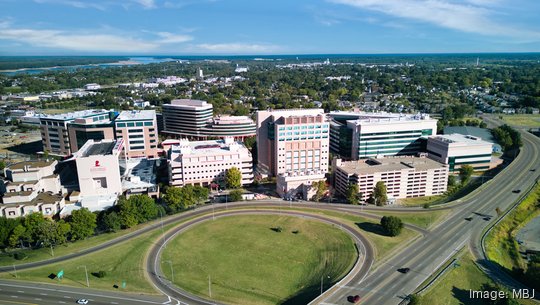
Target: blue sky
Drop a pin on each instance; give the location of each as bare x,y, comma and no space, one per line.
222,27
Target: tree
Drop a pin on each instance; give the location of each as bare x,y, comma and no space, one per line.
7,225
392,225
465,173
32,223
233,178
172,198
17,236
83,224
451,180
414,299
128,213
111,222
145,207
353,194
320,189
235,195
379,193
201,193
2,165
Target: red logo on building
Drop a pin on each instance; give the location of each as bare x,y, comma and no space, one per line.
97,163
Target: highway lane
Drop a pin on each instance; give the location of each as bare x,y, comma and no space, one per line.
16,292
153,262
387,286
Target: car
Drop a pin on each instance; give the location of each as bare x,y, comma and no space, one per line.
468,218
533,169
404,270
82,301
516,191
487,218
353,298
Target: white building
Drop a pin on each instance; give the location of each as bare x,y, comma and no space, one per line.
92,86
404,176
204,162
98,168
31,186
457,149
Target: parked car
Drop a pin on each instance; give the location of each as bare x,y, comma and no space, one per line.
353,298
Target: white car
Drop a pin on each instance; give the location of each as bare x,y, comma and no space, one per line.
82,301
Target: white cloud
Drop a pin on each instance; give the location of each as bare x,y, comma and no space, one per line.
167,37
94,41
146,3
75,3
472,16
238,48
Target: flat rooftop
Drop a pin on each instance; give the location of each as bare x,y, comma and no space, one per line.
131,115
461,139
99,148
374,118
209,147
388,164
74,115
189,102
31,164
227,120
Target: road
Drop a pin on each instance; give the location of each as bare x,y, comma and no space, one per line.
386,285
153,263
21,293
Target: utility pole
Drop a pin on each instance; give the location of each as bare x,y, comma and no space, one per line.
52,251
15,270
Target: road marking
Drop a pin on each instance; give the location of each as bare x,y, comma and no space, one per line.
66,297
61,302
38,299
14,296
20,291
43,294
114,303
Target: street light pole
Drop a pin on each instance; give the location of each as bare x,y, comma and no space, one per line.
209,286
86,273
172,270
15,270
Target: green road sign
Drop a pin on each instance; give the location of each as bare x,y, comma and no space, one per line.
60,274
123,284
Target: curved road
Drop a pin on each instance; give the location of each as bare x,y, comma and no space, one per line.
153,267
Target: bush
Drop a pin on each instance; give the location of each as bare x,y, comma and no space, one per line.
100,274
392,225
20,256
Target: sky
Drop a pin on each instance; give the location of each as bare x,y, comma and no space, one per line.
251,27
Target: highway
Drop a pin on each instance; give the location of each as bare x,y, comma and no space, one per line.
386,285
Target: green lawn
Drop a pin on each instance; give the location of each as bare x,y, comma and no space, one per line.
501,245
523,120
420,219
420,201
122,262
249,263
453,287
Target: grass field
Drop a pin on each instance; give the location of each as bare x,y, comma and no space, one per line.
421,219
501,245
122,262
420,201
523,120
249,263
453,287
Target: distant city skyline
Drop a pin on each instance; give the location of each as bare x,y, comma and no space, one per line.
222,27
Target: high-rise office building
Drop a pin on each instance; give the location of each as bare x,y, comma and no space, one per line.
293,145
186,118
139,130
54,129
379,134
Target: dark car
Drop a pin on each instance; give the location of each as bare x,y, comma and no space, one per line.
468,218
353,298
404,270
516,191
533,169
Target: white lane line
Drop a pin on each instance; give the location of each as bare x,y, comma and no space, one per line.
61,302
114,303
38,299
67,297
14,296
43,294
20,291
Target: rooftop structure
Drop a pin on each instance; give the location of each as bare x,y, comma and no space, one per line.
139,130
404,176
186,118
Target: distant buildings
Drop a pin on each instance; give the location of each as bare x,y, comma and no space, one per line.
139,130
293,145
92,86
457,150
404,176
193,119
205,162
378,134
